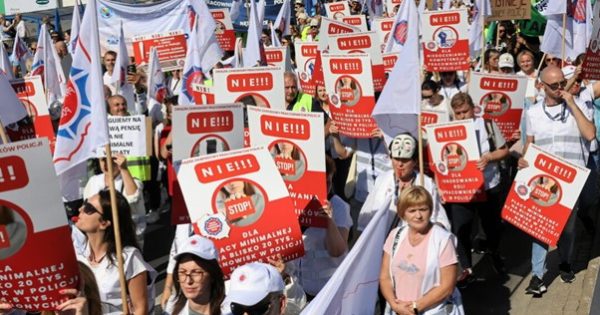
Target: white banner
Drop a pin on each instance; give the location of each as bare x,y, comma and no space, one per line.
129,135
25,6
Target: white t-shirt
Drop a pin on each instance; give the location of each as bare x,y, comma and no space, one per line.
491,173
531,91
107,80
449,91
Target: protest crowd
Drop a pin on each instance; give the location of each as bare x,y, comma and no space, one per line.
329,157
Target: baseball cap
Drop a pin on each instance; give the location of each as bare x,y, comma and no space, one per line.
403,146
252,282
301,2
302,16
314,22
506,61
199,246
568,71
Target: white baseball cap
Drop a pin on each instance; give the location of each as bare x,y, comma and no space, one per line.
403,147
314,22
199,246
252,282
302,16
568,71
506,61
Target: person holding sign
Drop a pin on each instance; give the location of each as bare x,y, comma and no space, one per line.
561,125
419,266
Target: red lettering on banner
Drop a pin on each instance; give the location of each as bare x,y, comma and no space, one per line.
239,208
23,89
249,82
218,15
13,173
345,66
387,25
355,42
496,84
309,50
428,119
235,166
334,7
274,55
285,166
555,168
389,61
292,127
454,133
209,122
444,19
352,20
338,29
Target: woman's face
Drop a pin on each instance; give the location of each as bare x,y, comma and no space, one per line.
194,280
235,187
493,62
526,63
403,168
90,215
321,93
417,217
285,147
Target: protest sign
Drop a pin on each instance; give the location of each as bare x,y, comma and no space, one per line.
389,60
365,42
130,135
337,10
359,21
33,269
445,40
30,92
349,84
332,27
278,57
262,87
383,26
500,98
239,200
306,55
432,117
392,7
296,141
171,47
543,194
454,152
202,94
224,31
510,10
591,62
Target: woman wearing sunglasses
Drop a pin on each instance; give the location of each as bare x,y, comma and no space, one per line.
99,252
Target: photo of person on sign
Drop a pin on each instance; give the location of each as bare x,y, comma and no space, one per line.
240,202
209,145
348,90
13,232
495,104
289,160
545,191
455,157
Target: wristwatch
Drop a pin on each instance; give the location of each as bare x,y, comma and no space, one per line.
414,306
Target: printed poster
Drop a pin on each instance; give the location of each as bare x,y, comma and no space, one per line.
306,55
382,27
432,117
278,57
224,31
365,42
591,62
389,61
130,135
445,40
332,27
171,47
296,141
33,269
359,21
509,10
349,84
30,92
454,153
239,200
500,98
543,194
337,10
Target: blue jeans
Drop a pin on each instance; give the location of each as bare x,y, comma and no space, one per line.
539,251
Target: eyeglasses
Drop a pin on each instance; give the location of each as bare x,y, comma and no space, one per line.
426,97
557,85
89,209
260,308
195,275
552,59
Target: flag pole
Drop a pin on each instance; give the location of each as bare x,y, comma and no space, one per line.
482,37
564,30
421,163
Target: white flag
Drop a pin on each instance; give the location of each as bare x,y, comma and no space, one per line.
282,22
275,42
398,33
446,5
119,76
234,10
578,31
210,51
375,8
235,61
20,53
398,105
157,90
11,109
46,64
83,128
551,7
5,65
261,13
74,27
254,52
482,9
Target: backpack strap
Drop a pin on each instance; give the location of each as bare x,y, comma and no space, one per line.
394,248
489,127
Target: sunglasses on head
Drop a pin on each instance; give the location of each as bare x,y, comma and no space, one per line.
260,308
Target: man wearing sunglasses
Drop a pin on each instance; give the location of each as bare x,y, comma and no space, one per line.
256,289
563,126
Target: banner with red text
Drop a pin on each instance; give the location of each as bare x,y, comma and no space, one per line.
365,42
389,61
306,56
332,27
382,26
445,40
359,21
224,31
591,62
296,140
454,152
337,10
171,47
278,57
30,92
33,269
392,7
432,117
239,200
543,194
500,98
349,84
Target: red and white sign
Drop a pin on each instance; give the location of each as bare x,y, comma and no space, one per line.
382,27
296,141
224,31
591,62
332,27
543,194
262,87
499,97
239,200
365,42
306,57
445,40
389,61
30,92
432,117
337,10
171,47
454,153
392,7
359,21
33,270
278,57
349,84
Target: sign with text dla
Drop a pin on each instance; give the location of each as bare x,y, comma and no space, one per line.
365,42
337,10
130,135
33,270
510,10
500,98
239,200
349,84
224,31
30,92
445,40
332,27
296,140
382,27
359,21
591,62
454,151
543,194
306,57
171,47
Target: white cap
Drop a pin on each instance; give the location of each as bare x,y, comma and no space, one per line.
302,16
314,22
199,246
403,147
506,61
568,71
299,2
252,282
